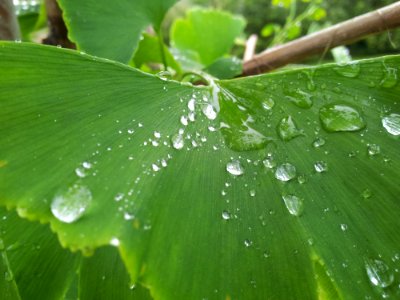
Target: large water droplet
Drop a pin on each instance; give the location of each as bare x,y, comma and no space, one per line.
70,206
235,168
285,172
379,273
268,104
209,112
351,69
392,124
340,117
389,78
300,98
244,140
293,204
287,129
177,141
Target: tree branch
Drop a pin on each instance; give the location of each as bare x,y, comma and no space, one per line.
9,28
343,33
58,34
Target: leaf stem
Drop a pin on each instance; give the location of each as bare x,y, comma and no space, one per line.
162,50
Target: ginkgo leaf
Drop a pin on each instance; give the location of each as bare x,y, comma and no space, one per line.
282,185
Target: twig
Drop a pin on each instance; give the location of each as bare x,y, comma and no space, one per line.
343,33
58,34
9,28
250,47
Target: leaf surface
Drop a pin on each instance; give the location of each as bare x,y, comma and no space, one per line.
211,208
111,29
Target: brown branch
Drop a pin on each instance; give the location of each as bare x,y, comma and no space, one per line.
343,33
58,35
9,28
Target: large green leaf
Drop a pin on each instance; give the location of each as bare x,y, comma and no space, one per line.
111,29
87,147
208,33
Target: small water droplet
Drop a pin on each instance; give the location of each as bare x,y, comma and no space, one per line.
80,172
184,120
177,141
318,142
118,197
269,162
268,104
293,204
70,206
209,112
157,135
287,129
192,104
226,215
155,168
343,227
164,75
392,124
87,165
321,166
389,78
114,242
301,179
340,117
285,172
351,69
248,243
373,149
235,168
252,193
366,194
300,98
128,216
266,254
379,273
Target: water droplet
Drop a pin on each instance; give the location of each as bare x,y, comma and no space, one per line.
252,193
184,120
226,215
269,162
301,179
80,172
392,124
351,69
87,165
209,112
118,197
266,254
366,194
321,166
155,168
340,117
343,227
389,78
244,140
379,273
70,206
293,204
318,142
114,242
268,104
128,216
287,129
235,168
164,75
285,172
373,149
157,135
192,104
247,243
300,98
177,141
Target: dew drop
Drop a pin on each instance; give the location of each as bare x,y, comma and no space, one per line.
321,166
343,227
80,172
389,78
226,215
177,141
340,117
157,135
366,194
118,197
191,104
348,70
268,104
114,242
209,112
87,165
269,162
379,273
392,124
128,216
293,204
300,98
184,120
248,243
287,129
373,149
285,172
235,168
318,142
155,168
252,193
70,206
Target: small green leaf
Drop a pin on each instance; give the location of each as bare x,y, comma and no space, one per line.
270,29
225,68
209,33
111,29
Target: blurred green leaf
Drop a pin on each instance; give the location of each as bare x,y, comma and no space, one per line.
291,189
149,52
294,31
318,14
270,29
225,68
209,33
111,29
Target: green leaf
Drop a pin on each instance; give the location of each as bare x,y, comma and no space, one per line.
149,51
270,29
225,68
209,33
95,148
111,29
